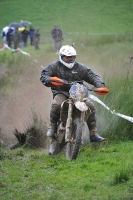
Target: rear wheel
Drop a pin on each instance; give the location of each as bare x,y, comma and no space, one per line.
72,148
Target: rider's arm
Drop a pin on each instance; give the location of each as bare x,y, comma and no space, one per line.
93,79
45,76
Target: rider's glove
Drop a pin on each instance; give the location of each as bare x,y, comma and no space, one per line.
48,82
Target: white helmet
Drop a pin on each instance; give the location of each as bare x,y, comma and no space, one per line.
67,51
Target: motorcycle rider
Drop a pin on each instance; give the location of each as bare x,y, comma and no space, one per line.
67,68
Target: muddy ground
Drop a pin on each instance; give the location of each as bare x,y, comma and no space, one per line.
18,103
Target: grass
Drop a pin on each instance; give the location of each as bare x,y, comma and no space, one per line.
92,16
98,173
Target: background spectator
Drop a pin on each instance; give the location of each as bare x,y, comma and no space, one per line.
31,34
24,36
16,38
37,36
4,32
9,37
57,36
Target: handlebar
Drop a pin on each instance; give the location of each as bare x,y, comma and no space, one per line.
59,82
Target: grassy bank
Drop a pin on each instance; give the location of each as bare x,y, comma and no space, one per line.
100,172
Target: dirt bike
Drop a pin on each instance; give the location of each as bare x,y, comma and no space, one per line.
72,128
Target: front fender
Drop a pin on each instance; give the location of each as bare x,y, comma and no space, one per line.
81,106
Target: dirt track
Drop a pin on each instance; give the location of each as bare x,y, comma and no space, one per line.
17,106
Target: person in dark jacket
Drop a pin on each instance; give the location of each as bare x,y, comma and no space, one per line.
9,37
24,36
57,36
31,34
68,69
16,38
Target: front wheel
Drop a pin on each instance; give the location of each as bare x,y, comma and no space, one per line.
72,147
57,143
54,147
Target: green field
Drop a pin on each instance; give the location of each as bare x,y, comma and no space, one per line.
76,17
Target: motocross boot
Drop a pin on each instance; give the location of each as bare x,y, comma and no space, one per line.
94,137
52,130
54,118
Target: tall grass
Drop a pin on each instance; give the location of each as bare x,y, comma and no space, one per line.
122,174
120,100
13,62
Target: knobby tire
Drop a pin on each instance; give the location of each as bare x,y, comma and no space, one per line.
72,148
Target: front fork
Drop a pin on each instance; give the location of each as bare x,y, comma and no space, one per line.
83,123
69,121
